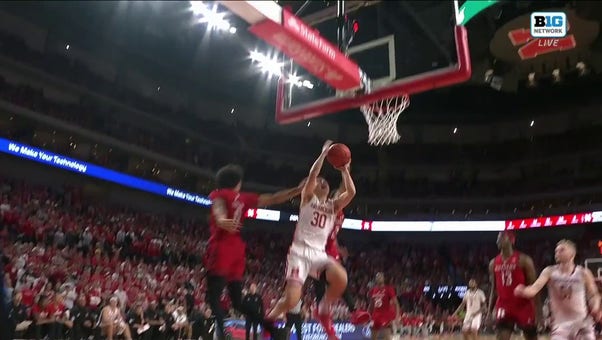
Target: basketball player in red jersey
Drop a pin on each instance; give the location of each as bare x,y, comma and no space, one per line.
332,250
508,270
225,254
384,308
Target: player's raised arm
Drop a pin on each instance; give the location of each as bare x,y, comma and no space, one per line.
347,193
310,184
534,288
592,294
279,196
220,213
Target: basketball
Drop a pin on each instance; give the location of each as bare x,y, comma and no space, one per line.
338,155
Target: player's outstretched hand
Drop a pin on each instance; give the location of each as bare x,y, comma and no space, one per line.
326,146
228,224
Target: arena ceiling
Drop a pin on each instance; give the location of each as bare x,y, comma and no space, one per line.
164,39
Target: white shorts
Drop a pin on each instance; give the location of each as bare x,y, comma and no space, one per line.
302,262
472,323
569,330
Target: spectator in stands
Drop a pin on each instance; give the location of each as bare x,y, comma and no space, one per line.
112,323
84,320
253,302
207,326
18,321
45,322
156,320
138,323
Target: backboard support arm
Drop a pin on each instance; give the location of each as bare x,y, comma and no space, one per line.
341,23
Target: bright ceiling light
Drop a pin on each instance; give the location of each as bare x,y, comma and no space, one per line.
210,16
294,79
267,64
198,7
308,84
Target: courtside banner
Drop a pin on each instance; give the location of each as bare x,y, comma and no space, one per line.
310,330
70,164
73,165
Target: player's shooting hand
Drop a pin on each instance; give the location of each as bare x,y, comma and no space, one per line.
326,146
228,224
345,168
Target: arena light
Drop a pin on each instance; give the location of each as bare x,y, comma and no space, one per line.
213,18
297,81
266,64
308,84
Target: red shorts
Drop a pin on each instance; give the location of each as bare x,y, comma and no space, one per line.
226,260
519,312
382,320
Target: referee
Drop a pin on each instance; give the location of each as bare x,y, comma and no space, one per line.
295,317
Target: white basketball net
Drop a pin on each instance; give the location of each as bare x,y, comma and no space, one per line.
381,117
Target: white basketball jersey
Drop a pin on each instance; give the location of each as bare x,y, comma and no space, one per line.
316,221
567,295
474,301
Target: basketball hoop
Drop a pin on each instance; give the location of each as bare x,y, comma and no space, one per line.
382,116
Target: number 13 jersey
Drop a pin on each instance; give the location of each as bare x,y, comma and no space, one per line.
316,222
508,275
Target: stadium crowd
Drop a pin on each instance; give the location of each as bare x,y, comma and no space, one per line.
64,258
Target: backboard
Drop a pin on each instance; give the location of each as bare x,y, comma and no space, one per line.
377,50
401,46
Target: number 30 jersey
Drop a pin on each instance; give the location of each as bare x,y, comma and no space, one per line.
316,222
508,275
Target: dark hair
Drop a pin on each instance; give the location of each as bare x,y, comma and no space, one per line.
228,176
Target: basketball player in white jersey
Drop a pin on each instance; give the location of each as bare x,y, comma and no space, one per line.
307,255
474,301
573,295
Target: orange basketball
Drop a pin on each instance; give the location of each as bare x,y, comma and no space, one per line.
338,155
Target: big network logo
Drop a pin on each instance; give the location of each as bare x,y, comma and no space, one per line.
548,25
549,32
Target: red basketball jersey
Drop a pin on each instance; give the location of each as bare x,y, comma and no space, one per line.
237,204
382,298
332,249
508,275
